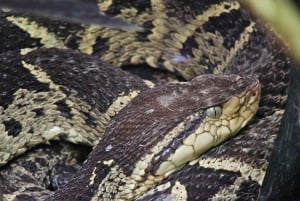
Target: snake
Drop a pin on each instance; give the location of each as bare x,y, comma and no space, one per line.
148,139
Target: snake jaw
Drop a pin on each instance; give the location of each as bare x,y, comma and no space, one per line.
246,105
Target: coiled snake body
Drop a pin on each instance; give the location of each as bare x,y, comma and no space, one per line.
50,93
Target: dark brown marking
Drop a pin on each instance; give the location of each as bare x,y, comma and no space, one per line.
64,109
38,112
13,76
13,127
234,22
82,74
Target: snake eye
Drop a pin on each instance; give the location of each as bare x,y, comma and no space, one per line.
214,112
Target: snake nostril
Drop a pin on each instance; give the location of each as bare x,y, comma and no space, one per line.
254,94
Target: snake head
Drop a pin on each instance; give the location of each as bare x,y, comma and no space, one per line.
231,102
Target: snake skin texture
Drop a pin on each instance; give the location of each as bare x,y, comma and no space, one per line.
54,73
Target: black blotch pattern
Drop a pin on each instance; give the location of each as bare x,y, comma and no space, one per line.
30,165
66,32
38,112
188,7
13,127
157,76
12,37
41,161
142,36
64,109
89,119
118,5
13,77
234,22
188,45
101,46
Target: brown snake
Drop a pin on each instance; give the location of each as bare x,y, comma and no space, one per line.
189,43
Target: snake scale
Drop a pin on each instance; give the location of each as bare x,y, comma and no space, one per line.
51,92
